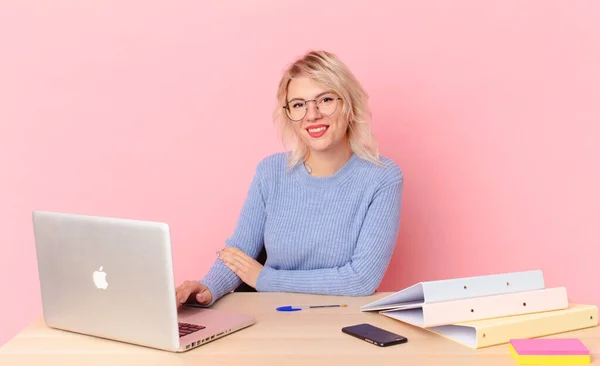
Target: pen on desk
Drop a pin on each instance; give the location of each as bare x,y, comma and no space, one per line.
328,306
296,308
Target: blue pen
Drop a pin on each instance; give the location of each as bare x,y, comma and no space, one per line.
297,308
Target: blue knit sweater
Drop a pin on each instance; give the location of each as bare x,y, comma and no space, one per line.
330,235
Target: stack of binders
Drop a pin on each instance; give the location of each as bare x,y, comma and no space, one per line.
552,351
487,310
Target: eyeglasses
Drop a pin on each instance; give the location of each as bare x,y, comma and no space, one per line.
326,105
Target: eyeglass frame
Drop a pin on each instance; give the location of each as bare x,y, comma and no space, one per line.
306,108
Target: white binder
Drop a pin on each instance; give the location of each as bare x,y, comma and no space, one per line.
482,307
459,288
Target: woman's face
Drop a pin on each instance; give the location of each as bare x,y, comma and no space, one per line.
321,128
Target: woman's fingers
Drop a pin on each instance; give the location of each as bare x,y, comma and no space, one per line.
234,259
237,253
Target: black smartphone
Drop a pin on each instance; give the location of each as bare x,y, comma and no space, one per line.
374,335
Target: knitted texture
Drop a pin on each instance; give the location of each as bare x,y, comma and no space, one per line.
330,235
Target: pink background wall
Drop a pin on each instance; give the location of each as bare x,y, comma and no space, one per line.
161,112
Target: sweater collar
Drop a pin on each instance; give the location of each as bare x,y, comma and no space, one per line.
346,171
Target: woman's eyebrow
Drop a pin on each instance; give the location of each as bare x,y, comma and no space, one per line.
318,95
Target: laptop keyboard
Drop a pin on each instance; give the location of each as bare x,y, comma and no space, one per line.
186,328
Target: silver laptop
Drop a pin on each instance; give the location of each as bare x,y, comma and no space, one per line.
113,278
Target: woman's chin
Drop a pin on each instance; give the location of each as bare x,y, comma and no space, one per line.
319,146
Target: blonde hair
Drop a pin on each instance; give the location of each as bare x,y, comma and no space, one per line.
327,70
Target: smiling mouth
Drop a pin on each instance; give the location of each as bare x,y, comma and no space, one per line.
317,131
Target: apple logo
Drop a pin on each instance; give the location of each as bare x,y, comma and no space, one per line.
100,279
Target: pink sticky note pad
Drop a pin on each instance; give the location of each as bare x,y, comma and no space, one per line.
549,346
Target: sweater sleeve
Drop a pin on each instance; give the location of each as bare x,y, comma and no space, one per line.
364,271
248,236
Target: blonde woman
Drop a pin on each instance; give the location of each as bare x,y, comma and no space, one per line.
328,212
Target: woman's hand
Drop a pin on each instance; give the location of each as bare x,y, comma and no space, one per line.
193,288
244,266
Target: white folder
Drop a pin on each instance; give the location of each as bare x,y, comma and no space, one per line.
483,307
459,288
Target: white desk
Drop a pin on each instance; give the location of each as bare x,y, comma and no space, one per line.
308,337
